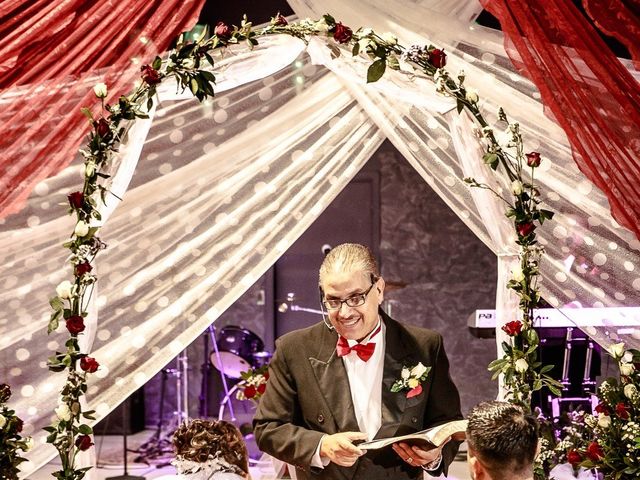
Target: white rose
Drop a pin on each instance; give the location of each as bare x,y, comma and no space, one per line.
617,350
100,90
630,391
604,421
517,273
405,373
81,229
521,365
389,38
89,169
590,420
3,421
626,369
321,26
471,95
29,443
65,289
63,413
418,370
516,187
365,32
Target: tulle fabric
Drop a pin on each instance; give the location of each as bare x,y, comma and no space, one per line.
587,90
49,52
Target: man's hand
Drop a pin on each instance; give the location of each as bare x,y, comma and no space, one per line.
339,449
416,456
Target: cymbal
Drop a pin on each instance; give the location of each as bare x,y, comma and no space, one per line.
393,285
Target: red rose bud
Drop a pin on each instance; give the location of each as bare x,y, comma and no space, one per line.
16,425
342,33
150,75
512,328
594,452
414,392
250,391
261,388
574,458
525,229
437,58
222,30
622,411
102,127
75,324
280,21
82,268
266,375
76,199
533,159
83,442
89,364
602,408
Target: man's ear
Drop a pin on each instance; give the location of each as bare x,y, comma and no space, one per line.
380,287
476,469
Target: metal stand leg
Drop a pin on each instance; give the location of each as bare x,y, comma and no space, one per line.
212,335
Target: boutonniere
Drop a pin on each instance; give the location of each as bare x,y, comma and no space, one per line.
411,379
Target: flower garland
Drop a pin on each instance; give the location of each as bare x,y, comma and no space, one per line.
11,442
69,434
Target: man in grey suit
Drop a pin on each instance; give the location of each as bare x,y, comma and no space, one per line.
330,384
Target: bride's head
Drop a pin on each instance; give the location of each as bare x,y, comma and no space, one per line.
214,445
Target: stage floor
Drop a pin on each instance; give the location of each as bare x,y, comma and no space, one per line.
110,462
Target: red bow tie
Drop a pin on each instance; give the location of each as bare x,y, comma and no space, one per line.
363,350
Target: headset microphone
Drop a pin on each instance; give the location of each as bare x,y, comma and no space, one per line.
325,315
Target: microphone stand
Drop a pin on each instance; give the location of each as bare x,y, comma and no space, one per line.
125,423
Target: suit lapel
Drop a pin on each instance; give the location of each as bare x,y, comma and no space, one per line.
395,357
333,381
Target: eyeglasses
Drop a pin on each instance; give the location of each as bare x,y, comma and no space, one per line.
353,301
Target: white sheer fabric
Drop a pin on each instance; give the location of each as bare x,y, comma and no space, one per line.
222,189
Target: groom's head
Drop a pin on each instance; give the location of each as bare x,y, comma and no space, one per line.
502,441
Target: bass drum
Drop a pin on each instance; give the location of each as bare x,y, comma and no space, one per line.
237,347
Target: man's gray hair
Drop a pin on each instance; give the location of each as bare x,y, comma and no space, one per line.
349,257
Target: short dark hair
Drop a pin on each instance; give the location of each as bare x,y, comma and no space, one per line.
503,437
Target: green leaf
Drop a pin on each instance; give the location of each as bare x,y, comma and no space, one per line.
87,113
459,105
208,76
193,86
157,63
149,103
56,303
54,321
85,429
329,20
489,158
376,70
356,49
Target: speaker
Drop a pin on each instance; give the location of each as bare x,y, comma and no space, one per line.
112,423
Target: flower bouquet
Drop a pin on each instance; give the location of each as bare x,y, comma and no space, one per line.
11,442
253,384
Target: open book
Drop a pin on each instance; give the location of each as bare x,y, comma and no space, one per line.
426,439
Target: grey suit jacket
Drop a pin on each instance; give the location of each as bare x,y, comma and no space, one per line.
308,396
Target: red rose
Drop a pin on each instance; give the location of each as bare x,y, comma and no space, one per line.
414,392
250,391
525,229
594,452
82,268
261,388
512,328
83,442
437,58
266,375
279,21
89,364
622,411
574,457
342,33
150,75
533,159
102,127
602,408
75,324
222,30
15,425
76,199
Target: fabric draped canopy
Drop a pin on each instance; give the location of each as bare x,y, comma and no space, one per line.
223,188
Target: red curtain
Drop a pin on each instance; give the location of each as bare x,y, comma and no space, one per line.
585,88
52,53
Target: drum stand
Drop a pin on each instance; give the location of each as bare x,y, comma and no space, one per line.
227,398
160,443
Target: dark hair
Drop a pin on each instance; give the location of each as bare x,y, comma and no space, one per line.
504,438
199,440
